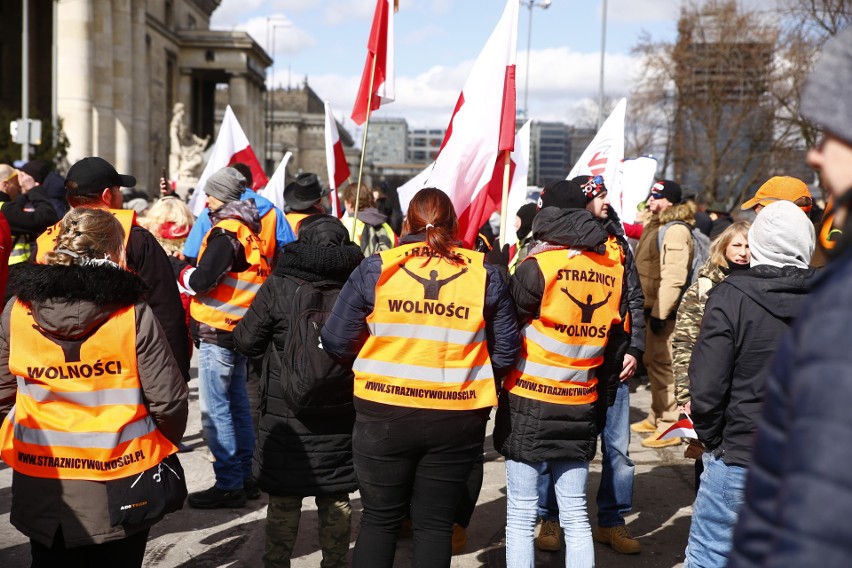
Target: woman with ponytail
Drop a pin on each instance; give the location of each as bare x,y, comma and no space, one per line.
430,330
118,408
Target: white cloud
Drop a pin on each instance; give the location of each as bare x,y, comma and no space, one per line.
643,10
344,11
289,38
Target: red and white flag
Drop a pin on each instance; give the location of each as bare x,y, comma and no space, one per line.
469,167
338,169
232,146
518,189
680,429
274,190
380,51
606,151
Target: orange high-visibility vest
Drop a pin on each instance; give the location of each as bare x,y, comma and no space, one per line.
226,304
79,414
47,240
565,344
268,233
294,219
427,346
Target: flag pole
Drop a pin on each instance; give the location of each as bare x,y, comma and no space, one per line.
364,144
504,201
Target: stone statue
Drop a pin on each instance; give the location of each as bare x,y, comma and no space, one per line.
186,159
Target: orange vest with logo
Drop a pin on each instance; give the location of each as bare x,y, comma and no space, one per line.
79,413
268,233
427,346
47,240
294,219
565,344
226,304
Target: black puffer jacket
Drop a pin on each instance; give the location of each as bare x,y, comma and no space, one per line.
534,431
745,316
299,455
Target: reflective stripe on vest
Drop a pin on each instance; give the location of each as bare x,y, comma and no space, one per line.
565,344
79,410
427,345
47,240
226,304
21,251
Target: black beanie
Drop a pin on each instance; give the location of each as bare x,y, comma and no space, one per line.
526,213
564,194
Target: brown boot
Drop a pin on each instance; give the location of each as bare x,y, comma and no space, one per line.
643,427
618,538
549,537
459,539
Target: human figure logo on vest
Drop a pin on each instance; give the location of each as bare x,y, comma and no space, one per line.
432,286
588,309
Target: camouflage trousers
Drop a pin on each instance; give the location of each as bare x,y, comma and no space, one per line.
282,526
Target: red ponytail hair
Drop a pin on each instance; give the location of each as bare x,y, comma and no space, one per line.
431,212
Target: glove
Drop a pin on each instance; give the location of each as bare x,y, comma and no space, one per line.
656,324
499,257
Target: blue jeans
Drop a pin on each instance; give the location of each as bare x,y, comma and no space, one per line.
225,413
715,512
615,493
522,503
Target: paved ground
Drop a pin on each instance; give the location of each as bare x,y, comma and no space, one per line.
193,538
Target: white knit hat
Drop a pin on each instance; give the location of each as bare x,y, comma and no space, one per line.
782,235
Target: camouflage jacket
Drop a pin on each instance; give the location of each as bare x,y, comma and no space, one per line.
688,323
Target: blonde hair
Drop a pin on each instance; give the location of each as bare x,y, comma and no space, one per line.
168,210
720,245
88,234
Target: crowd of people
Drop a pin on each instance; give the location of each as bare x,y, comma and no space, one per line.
361,354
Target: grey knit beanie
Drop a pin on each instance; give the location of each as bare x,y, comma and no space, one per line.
825,99
226,185
781,235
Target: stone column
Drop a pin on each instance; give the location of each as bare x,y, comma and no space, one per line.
122,94
74,90
103,123
238,94
142,154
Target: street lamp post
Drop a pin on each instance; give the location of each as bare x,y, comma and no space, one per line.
603,54
270,39
545,4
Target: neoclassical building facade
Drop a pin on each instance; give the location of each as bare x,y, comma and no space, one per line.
121,65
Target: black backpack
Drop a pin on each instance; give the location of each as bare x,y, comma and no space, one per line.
311,381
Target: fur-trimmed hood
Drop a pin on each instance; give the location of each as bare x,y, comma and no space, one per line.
69,301
681,212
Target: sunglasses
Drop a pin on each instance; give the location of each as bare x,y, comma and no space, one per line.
656,195
10,176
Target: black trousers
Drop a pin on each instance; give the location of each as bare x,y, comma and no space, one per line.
424,458
127,552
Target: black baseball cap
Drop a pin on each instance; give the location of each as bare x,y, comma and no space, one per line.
94,174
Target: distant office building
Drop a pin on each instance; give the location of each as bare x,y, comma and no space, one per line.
424,144
550,152
723,123
387,140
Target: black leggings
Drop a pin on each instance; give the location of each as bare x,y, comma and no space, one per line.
423,458
126,552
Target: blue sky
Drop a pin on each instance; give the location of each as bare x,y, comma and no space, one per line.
437,42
